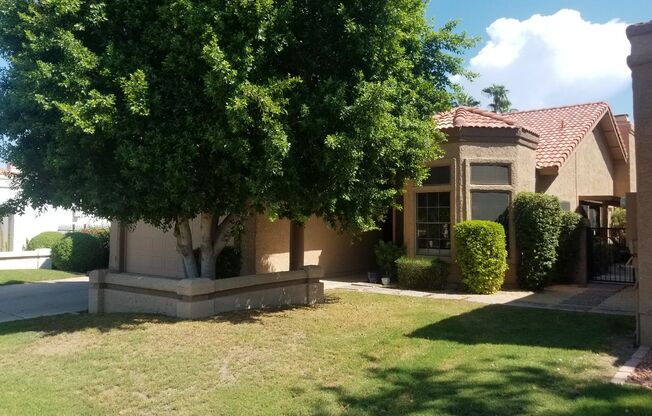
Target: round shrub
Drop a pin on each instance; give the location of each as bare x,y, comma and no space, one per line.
421,273
537,219
569,246
79,252
481,255
46,239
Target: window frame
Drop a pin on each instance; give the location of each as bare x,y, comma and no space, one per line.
507,166
438,252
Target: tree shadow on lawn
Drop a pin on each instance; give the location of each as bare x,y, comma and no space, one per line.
69,323
501,390
511,325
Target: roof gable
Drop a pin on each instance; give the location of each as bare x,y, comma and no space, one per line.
560,129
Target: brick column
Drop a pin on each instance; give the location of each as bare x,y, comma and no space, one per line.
640,61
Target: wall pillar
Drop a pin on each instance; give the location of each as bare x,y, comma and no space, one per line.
117,247
640,61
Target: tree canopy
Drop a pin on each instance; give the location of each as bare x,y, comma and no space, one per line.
500,100
164,111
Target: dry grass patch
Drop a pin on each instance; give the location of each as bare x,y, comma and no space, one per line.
356,354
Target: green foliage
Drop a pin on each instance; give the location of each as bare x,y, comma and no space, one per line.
229,262
619,218
158,111
386,255
421,273
481,255
568,249
103,234
79,252
537,218
499,96
45,239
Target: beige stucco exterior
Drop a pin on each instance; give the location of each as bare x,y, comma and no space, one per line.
507,147
265,247
640,61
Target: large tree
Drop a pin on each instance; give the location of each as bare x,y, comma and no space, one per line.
499,97
165,111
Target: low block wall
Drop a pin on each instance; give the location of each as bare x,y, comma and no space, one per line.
33,259
200,298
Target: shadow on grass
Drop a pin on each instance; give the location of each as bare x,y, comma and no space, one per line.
509,325
69,323
12,282
500,390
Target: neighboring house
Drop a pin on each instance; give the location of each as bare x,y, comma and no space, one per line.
17,230
579,153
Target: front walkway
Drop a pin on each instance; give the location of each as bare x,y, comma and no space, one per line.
30,300
596,297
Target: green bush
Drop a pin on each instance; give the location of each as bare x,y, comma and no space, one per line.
79,252
46,239
481,255
568,249
104,234
422,274
619,218
537,219
386,255
229,262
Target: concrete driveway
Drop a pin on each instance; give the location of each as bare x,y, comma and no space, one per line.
30,300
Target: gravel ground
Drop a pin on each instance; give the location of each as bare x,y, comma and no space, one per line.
643,373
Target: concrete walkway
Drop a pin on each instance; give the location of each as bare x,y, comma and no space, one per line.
597,298
30,300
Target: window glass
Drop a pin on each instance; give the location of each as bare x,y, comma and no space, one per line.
439,175
491,206
433,223
490,175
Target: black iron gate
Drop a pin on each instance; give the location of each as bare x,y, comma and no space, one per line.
608,256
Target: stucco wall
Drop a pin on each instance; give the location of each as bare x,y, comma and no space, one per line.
640,61
149,250
588,171
461,154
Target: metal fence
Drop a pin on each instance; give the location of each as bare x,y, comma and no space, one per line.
609,259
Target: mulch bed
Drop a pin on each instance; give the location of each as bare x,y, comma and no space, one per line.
643,373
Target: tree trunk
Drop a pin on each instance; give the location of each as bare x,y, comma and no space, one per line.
208,254
296,245
184,246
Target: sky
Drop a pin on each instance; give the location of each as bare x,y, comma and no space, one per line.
548,52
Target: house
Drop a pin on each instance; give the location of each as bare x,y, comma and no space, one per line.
579,153
17,230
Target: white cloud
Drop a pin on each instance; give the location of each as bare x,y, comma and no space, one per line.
553,60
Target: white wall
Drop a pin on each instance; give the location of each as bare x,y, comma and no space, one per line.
16,230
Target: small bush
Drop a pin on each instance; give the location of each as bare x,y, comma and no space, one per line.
422,274
104,234
229,262
481,255
619,218
79,252
537,219
386,255
568,249
46,239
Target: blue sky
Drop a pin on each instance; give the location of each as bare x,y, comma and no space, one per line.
547,54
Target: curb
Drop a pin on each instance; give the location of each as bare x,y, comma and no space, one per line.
626,370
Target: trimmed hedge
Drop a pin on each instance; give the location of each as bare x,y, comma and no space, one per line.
386,255
481,255
46,239
79,252
421,273
537,219
568,249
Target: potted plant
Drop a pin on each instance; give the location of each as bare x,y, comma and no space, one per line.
386,255
373,277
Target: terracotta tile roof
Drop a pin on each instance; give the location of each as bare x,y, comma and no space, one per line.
475,117
559,129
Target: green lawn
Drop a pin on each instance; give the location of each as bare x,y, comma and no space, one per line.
12,277
358,354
